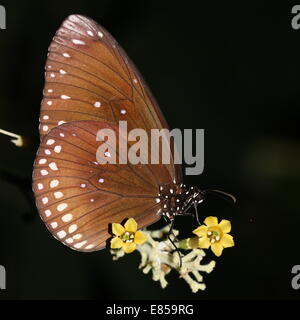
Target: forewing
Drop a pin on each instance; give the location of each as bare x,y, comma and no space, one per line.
89,77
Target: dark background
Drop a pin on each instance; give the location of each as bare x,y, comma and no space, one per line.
230,69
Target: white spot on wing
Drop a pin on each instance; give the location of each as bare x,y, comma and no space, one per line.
45,200
62,206
66,55
53,166
44,172
54,225
97,104
72,228
76,41
42,161
54,183
61,234
67,217
58,195
65,97
48,213
40,186
57,149
80,244
50,141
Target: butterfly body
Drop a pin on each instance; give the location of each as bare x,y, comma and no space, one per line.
177,199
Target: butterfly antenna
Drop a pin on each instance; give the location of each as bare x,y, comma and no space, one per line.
224,195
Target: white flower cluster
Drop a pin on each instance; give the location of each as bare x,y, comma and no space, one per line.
159,256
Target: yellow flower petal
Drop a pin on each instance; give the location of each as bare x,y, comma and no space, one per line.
117,229
201,231
227,241
139,237
130,225
217,249
116,243
204,243
211,221
225,226
129,247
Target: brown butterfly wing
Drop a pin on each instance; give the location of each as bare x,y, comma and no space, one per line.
89,77
78,198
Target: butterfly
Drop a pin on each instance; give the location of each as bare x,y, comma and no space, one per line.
91,84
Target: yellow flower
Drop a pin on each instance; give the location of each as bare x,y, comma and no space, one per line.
214,235
127,237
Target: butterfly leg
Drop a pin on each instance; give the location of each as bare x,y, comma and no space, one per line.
171,222
196,213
